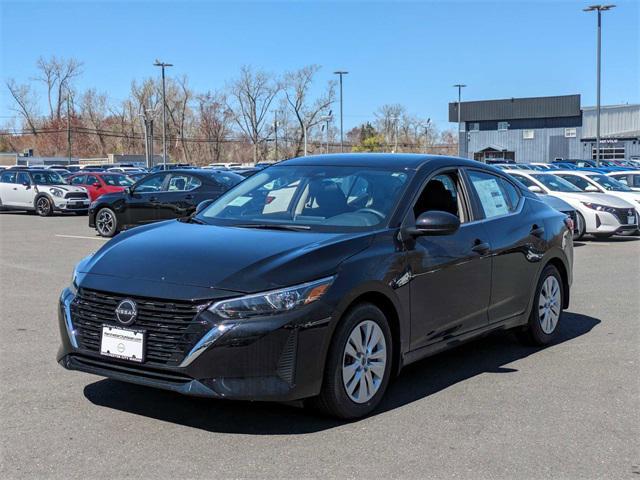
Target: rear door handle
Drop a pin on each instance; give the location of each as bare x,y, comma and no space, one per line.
481,247
537,231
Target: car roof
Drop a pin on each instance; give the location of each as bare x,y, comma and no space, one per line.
624,172
376,160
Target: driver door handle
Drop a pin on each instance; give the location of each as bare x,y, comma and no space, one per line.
481,247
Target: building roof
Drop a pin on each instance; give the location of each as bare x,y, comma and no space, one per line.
516,108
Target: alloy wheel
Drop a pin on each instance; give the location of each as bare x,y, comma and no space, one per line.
105,222
43,206
364,361
549,304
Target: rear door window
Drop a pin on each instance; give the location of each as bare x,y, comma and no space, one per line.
493,193
8,177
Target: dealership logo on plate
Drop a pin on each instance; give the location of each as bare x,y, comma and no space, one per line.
126,311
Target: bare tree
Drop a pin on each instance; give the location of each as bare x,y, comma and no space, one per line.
26,103
252,95
387,117
93,109
308,113
214,123
57,75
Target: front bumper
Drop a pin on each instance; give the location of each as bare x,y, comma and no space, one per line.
277,358
70,205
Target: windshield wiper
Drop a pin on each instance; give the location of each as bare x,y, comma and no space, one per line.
272,226
198,221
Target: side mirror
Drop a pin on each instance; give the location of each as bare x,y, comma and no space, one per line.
202,205
535,189
26,184
591,188
435,222
127,190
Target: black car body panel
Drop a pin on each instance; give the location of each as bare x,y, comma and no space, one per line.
135,207
436,291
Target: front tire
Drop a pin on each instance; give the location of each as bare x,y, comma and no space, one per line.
581,227
358,365
44,207
106,222
546,312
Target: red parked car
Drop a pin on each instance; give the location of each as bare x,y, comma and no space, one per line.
99,183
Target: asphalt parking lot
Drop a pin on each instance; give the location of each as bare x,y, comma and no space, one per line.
490,409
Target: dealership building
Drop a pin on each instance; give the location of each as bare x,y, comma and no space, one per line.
541,129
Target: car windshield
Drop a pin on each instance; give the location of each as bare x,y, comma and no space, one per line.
609,183
321,198
117,180
47,178
555,183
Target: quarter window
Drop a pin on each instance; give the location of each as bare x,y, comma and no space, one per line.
497,196
441,193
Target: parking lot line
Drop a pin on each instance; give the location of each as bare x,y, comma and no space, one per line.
81,237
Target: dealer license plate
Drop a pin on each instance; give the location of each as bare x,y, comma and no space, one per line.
631,219
122,343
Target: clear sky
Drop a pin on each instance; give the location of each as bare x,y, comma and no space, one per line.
396,52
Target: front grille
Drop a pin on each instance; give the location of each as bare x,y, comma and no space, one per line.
78,195
172,328
623,214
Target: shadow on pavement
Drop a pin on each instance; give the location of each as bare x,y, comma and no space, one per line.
416,381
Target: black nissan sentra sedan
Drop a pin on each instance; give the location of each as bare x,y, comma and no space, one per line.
159,196
319,278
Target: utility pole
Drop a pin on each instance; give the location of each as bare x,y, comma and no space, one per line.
426,135
599,9
341,73
143,119
163,65
327,119
275,129
459,86
396,124
69,125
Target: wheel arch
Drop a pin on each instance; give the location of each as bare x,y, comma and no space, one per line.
390,310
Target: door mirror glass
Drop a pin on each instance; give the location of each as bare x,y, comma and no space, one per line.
435,222
127,190
535,189
202,205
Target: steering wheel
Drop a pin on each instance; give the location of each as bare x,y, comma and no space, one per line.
372,211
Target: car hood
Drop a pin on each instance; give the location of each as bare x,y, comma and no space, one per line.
599,198
629,197
65,188
223,258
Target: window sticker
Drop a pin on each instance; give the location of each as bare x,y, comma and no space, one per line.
491,197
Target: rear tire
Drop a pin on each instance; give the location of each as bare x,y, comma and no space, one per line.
546,312
106,222
358,365
44,206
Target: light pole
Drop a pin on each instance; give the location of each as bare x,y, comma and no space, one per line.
327,119
69,125
459,86
275,131
163,65
599,9
341,73
396,122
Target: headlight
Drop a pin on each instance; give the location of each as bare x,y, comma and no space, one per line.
73,288
56,192
273,302
600,208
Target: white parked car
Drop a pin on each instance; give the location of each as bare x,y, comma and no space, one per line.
42,191
599,182
225,165
125,170
598,214
630,178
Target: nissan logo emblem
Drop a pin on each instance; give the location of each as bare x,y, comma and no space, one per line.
126,311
